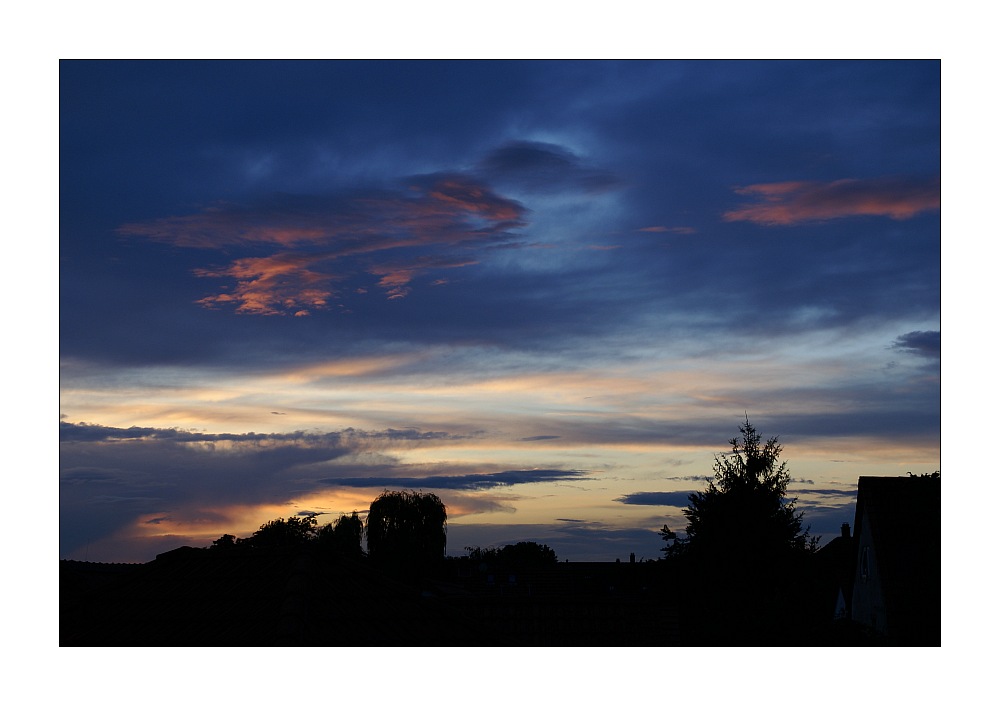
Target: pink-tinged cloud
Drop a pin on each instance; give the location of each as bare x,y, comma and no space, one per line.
224,225
464,194
318,240
396,276
435,209
791,202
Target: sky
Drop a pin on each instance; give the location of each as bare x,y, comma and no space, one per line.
547,291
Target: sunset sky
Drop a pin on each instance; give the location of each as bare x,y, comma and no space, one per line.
546,291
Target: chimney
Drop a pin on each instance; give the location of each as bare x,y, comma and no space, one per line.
845,530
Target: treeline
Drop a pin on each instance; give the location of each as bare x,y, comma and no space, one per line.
404,529
343,536
402,526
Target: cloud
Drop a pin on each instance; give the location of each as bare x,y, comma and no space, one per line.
453,193
113,479
923,343
680,230
321,242
792,202
461,504
677,498
539,438
478,481
829,492
87,475
544,166
273,285
394,277
349,438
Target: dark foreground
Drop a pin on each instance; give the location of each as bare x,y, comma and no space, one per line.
300,597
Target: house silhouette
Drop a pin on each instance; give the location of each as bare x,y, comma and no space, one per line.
896,592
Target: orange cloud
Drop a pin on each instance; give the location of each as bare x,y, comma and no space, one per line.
791,202
272,285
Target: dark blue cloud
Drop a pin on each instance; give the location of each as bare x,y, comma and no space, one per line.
479,481
677,498
83,432
544,167
833,493
923,343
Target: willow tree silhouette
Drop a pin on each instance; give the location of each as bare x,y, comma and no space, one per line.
744,553
407,530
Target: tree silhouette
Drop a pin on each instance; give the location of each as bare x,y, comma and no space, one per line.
407,529
521,555
744,555
746,499
284,533
226,541
344,536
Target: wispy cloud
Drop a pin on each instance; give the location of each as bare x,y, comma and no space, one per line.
677,498
830,492
679,230
791,202
347,439
395,277
478,481
318,241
